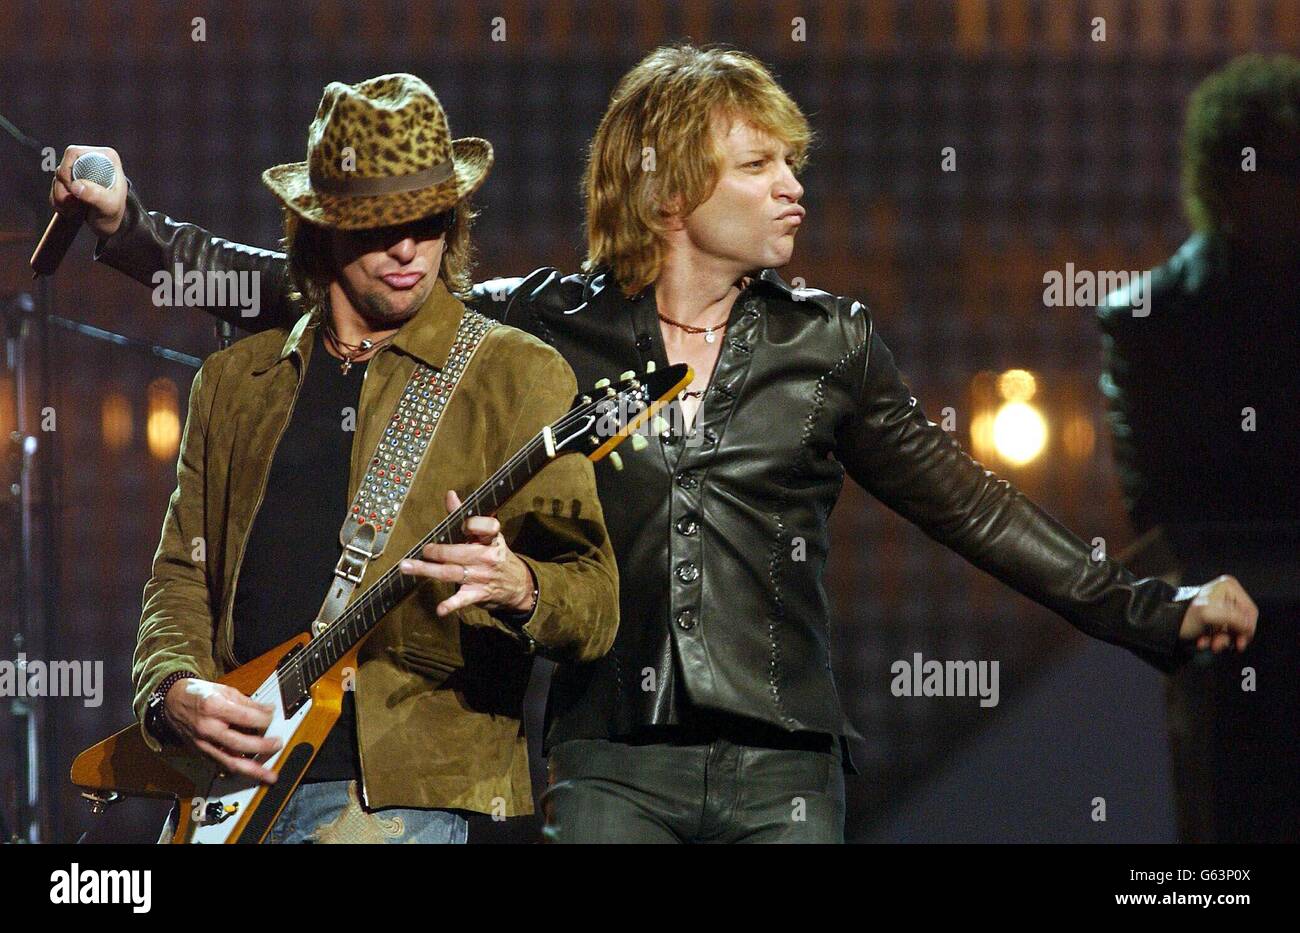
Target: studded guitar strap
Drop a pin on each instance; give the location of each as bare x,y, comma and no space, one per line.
395,463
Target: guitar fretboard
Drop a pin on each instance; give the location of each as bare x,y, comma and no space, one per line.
365,612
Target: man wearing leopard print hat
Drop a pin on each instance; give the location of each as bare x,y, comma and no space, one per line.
281,444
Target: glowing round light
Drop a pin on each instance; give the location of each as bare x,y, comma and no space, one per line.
1019,433
1017,385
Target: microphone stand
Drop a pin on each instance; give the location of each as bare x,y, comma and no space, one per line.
23,445
30,768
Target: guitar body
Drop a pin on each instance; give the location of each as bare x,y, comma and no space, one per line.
220,809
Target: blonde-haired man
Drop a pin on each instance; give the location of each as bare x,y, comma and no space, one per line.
715,717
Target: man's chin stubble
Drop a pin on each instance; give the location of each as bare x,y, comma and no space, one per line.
379,312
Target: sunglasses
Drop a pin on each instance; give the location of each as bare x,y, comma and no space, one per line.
426,228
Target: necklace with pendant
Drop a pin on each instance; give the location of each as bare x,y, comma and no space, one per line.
350,351
709,332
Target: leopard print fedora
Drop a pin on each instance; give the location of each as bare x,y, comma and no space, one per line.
380,153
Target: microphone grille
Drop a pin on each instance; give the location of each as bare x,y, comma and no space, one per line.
93,166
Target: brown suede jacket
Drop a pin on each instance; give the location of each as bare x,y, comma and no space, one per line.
439,701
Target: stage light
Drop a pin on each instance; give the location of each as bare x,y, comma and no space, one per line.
1017,385
164,425
1019,433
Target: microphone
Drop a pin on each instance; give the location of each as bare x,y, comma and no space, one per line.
62,230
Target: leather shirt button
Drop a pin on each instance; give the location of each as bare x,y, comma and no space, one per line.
751,307
687,480
688,526
643,342
686,620
740,346
688,572
711,435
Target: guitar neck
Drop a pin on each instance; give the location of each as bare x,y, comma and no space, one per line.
365,611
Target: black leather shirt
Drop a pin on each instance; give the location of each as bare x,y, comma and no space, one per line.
721,535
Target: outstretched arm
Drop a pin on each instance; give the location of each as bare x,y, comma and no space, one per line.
918,470
144,243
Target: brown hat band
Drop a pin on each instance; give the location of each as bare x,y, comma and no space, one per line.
395,184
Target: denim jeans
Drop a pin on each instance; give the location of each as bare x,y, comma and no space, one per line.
332,812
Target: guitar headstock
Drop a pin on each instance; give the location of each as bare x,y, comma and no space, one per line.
610,413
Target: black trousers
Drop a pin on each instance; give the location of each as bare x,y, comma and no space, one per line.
717,791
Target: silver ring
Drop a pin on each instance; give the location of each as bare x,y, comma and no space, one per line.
464,578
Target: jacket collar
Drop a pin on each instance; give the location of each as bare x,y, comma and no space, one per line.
428,335
769,279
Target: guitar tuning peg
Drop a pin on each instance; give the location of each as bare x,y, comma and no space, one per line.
659,424
602,383
615,460
624,377
609,391
639,442
649,367
586,400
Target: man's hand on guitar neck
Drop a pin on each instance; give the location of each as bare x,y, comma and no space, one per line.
223,724
486,571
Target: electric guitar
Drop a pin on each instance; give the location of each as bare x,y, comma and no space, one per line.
304,678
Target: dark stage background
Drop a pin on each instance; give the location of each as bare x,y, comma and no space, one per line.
1066,152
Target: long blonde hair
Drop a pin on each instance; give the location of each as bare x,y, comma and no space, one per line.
654,148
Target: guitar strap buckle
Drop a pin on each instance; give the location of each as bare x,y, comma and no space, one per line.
352,564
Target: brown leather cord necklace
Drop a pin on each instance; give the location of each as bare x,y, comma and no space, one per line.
350,351
708,332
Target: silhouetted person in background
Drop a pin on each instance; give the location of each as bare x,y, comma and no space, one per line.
1203,394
